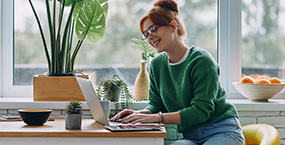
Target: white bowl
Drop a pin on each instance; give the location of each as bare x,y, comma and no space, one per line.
258,92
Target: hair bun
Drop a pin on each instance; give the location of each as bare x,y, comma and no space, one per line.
167,4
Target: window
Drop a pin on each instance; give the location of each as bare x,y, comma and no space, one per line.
242,40
113,54
263,37
244,36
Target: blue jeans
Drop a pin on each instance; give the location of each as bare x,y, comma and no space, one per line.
224,132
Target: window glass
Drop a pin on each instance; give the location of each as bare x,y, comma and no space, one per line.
114,53
263,38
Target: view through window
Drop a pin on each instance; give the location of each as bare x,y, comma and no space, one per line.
114,53
263,38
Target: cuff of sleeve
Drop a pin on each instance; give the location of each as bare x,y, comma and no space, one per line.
152,109
182,116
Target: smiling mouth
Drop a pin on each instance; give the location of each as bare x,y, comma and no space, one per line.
155,43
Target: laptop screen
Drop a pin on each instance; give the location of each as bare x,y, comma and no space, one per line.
92,101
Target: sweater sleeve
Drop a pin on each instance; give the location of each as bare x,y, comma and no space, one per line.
155,102
204,76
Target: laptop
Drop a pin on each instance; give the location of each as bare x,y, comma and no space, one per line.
99,115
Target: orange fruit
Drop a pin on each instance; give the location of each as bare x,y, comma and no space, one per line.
262,77
274,80
247,79
262,81
266,75
254,76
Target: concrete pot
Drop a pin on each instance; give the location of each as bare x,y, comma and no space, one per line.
73,121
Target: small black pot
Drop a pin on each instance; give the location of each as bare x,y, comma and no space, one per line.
61,75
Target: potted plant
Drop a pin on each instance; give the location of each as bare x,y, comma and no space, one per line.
142,80
73,115
87,19
115,90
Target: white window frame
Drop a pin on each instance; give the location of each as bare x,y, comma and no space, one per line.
7,88
0,47
229,48
229,44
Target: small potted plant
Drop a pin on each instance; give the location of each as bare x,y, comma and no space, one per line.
73,116
142,80
114,89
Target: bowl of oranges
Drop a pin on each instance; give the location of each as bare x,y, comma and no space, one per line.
260,88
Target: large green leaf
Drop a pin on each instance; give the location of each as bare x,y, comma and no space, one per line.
142,45
90,21
145,47
103,3
69,2
105,6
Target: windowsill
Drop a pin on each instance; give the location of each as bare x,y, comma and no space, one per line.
15,103
241,104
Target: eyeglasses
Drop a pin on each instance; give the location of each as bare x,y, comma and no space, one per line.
151,31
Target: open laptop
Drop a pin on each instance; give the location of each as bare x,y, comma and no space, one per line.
99,115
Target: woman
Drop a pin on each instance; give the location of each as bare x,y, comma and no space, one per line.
184,85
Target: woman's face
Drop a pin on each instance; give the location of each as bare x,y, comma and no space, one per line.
159,37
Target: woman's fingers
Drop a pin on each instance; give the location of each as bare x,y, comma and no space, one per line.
128,118
138,121
128,115
114,118
121,114
141,118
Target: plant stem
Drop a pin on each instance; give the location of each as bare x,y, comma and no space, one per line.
53,47
42,34
79,43
70,37
68,49
64,51
50,29
57,50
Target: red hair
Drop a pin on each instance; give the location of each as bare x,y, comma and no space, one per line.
162,13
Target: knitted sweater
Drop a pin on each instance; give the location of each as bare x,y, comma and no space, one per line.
191,87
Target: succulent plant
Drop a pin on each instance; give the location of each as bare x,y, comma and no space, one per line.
73,107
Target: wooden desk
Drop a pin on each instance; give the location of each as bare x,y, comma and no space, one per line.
54,133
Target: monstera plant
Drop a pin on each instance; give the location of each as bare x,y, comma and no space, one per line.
86,17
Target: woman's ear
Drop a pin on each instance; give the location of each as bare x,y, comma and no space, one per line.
173,25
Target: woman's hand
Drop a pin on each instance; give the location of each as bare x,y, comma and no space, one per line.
136,117
122,114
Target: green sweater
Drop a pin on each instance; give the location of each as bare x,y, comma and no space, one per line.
191,87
